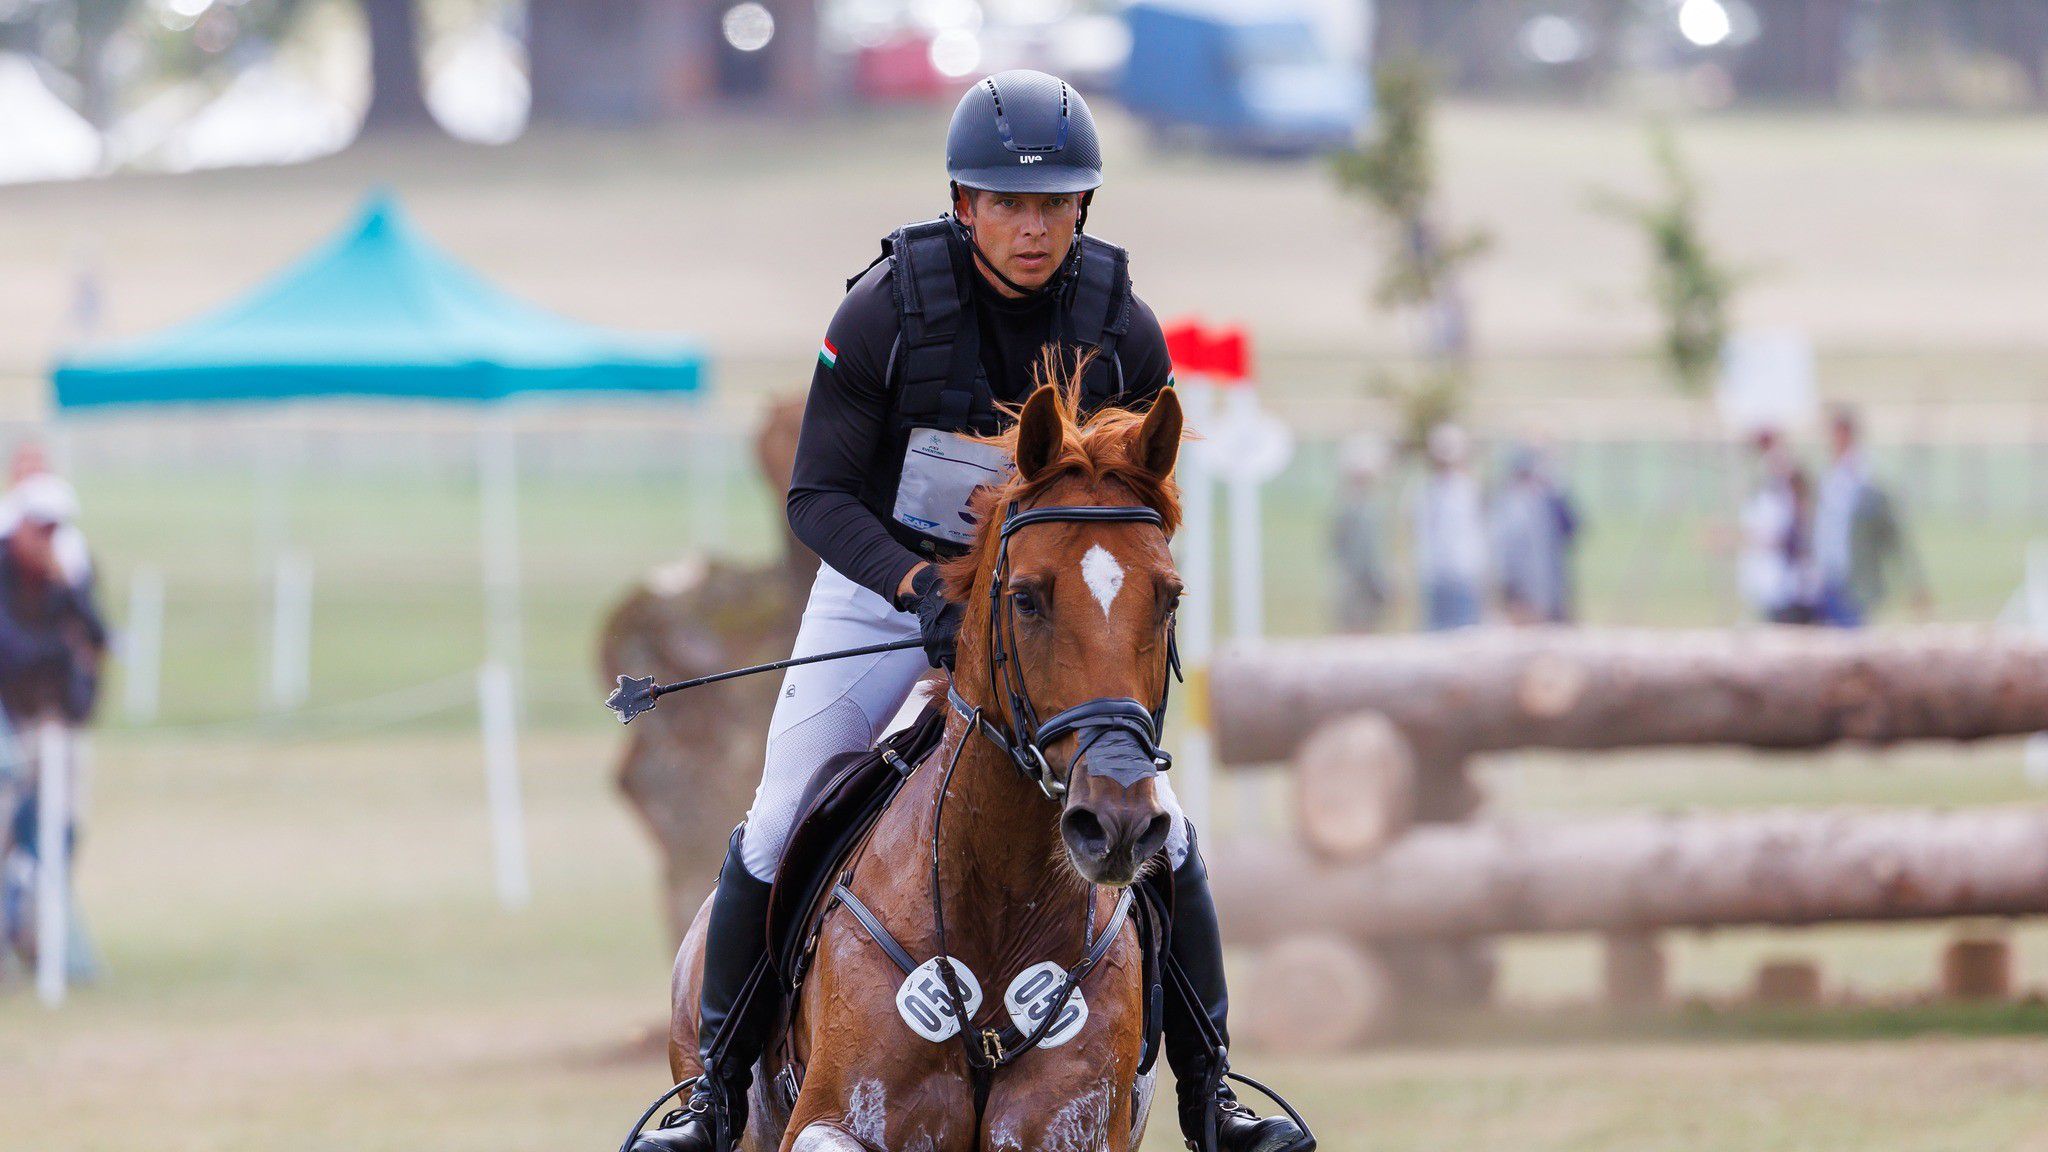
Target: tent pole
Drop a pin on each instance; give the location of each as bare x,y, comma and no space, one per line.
498,472
498,682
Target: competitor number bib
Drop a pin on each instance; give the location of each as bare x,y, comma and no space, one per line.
941,471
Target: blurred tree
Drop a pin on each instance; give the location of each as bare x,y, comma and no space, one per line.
398,99
1690,287
1480,46
587,60
115,48
1800,51
2014,29
1394,172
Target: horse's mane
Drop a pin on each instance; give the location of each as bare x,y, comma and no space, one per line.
1094,448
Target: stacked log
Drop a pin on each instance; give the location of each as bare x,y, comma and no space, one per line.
1483,690
1643,872
1401,888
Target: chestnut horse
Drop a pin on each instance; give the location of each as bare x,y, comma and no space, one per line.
1011,847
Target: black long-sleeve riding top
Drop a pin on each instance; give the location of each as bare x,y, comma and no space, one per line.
847,418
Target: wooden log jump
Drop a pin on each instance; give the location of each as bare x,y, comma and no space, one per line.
1645,872
1485,690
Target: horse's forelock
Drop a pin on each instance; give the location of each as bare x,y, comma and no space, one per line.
1094,449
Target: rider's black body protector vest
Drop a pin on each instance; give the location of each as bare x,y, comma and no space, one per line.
935,377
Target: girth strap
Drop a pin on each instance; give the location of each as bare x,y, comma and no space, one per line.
873,924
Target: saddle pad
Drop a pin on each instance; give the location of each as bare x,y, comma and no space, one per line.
848,795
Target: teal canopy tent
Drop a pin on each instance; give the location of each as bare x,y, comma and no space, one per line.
377,312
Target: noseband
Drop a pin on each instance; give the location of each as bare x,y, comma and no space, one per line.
1022,735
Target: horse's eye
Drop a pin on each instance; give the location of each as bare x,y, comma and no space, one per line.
1023,603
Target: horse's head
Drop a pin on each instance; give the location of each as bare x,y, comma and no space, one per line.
1070,594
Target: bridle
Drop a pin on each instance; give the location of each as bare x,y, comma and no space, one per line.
1023,737
1021,734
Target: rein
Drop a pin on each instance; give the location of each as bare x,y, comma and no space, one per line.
1023,736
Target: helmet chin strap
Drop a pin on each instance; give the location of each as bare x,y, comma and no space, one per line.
1051,283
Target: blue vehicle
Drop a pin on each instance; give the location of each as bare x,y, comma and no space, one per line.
1260,81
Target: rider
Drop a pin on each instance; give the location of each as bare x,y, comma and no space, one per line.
949,323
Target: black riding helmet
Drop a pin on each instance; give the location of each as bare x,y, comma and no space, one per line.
1024,131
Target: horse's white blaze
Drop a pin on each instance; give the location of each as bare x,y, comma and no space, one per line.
1104,575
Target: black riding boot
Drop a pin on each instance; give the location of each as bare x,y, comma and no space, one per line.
1196,944
738,1011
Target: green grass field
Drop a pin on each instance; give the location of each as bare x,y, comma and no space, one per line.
302,949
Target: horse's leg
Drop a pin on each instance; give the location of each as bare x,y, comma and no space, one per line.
828,1136
1088,1112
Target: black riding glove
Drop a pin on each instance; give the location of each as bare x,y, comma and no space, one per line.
938,619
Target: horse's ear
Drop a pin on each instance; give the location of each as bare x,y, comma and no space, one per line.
1039,432
1157,443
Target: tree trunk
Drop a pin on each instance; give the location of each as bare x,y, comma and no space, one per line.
2019,32
1635,873
1799,51
398,101
589,61
1493,689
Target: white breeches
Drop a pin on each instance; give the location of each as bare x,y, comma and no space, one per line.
837,706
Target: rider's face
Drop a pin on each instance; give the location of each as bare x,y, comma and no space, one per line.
1025,235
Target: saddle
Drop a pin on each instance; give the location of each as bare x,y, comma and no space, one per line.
842,803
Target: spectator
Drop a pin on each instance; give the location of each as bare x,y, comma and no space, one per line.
1450,535
1859,536
1534,526
1799,596
1773,568
51,642
1357,540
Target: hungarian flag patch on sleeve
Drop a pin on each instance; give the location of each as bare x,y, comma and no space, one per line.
828,355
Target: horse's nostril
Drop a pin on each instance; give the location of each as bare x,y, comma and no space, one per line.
1084,831
1156,831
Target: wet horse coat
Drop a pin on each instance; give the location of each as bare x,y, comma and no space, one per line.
1091,607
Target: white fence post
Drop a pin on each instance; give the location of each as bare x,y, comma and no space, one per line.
1195,755
142,646
500,716
53,881
291,631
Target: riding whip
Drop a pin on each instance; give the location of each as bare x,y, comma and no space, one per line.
637,694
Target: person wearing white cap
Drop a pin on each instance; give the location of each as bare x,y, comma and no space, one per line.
49,499
51,642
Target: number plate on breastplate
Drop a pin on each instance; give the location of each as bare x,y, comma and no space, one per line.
924,1005
1030,997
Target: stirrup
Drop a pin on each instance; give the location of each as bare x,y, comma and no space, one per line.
1222,1100
669,1120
